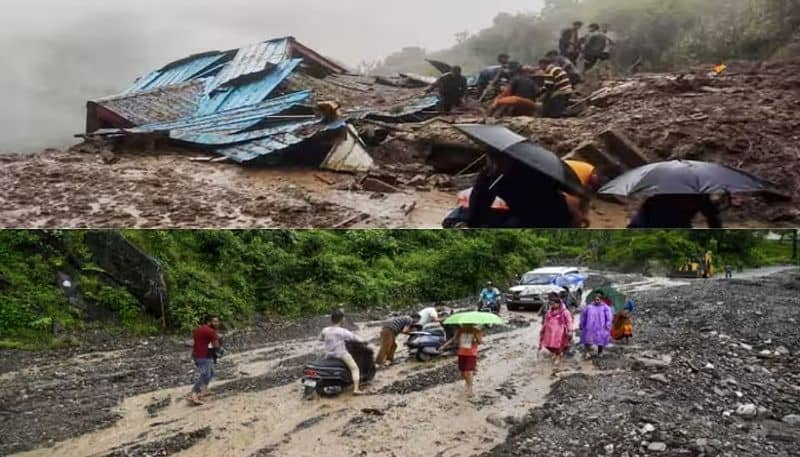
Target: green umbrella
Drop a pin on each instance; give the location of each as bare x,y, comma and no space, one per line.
474,318
617,298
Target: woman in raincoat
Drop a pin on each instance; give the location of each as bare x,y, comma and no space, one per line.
556,333
596,320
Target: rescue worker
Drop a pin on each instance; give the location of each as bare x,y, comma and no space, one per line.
557,89
676,211
569,43
567,65
595,46
452,88
534,200
490,77
518,97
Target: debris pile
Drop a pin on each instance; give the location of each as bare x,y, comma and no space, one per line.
264,102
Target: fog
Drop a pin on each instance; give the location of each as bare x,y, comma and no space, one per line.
59,53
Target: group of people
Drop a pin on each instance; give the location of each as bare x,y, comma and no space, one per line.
599,326
552,81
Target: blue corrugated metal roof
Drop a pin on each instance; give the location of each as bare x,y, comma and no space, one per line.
254,59
232,97
225,138
231,120
283,139
176,73
163,104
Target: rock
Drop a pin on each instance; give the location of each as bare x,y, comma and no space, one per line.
495,420
791,419
376,185
730,381
782,350
660,378
648,428
701,442
657,447
763,412
609,448
748,410
746,346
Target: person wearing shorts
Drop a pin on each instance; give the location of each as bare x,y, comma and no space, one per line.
468,338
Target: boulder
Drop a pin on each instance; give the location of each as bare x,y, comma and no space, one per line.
131,267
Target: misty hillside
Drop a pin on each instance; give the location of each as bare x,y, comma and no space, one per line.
661,34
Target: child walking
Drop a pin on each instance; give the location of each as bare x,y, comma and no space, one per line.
468,338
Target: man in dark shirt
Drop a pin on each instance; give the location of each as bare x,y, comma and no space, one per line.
675,211
452,88
389,334
595,47
534,200
205,339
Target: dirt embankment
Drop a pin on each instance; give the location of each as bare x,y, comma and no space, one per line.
746,117
713,370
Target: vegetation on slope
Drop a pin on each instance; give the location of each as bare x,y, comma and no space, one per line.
296,273
663,34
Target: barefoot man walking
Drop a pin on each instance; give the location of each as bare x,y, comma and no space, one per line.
205,338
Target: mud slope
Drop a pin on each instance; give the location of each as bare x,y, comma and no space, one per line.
713,370
746,117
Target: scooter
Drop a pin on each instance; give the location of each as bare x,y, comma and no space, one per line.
424,344
330,377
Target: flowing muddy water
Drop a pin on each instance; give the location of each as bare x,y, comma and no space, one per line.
414,409
257,418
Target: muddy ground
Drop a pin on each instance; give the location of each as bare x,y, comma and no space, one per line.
712,371
129,401
747,117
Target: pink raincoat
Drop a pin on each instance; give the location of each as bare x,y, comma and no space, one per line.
556,331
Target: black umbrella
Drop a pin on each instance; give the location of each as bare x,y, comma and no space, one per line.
522,150
684,177
441,66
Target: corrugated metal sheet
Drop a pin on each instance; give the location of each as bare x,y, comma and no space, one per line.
251,93
279,141
231,120
159,105
225,138
415,107
176,73
254,59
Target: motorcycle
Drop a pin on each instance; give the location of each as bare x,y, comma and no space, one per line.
423,344
330,377
489,305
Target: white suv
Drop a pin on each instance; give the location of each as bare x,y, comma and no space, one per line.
534,287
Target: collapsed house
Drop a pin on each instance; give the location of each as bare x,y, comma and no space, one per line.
261,104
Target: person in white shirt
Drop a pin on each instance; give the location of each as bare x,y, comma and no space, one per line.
336,338
430,314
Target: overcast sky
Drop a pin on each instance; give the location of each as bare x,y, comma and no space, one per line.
59,53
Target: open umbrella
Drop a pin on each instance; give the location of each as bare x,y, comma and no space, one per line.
522,150
616,297
474,318
441,66
684,177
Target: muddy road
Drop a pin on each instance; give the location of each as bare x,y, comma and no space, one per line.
126,400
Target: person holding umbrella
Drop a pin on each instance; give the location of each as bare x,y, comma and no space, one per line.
468,337
678,190
530,179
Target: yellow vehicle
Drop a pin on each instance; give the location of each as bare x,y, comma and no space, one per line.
701,267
